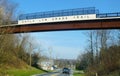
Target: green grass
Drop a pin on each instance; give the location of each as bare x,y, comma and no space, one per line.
78,74
17,72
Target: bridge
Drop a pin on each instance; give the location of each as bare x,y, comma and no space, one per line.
72,25
73,19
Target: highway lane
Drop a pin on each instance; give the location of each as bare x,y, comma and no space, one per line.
55,74
47,74
58,73
65,74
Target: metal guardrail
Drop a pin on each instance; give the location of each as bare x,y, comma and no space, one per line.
68,12
104,15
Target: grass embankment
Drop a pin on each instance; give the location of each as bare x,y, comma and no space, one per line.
19,68
78,73
20,72
27,72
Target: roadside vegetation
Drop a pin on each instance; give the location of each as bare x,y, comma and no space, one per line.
20,72
17,57
27,72
102,56
79,73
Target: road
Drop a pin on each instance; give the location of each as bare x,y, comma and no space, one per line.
58,73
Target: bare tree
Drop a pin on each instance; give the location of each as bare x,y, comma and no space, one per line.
6,41
104,36
119,37
91,46
7,11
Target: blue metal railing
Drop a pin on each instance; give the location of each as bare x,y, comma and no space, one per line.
69,12
104,15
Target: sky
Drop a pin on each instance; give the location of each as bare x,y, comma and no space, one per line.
64,44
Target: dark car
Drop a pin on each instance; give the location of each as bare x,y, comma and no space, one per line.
66,71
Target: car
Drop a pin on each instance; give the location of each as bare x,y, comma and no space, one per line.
66,71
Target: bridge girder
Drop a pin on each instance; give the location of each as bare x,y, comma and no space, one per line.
71,25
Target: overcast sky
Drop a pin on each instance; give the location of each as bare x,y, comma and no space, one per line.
64,44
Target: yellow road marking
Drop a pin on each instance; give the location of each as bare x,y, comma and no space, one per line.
54,75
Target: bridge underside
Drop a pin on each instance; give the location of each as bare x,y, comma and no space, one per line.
72,25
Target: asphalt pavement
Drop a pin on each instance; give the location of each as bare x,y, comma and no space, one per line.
57,73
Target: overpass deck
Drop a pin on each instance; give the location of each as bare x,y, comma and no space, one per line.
100,23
